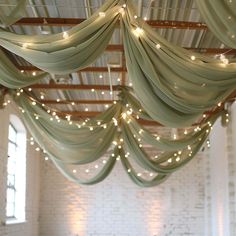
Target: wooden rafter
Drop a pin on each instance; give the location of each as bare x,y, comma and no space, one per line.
65,102
164,24
73,87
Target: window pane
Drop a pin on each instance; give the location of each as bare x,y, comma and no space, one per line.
11,167
11,180
10,195
11,150
12,134
10,209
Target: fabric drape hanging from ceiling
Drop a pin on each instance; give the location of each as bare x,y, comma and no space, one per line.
71,50
17,13
220,17
168,78
11,77
69,143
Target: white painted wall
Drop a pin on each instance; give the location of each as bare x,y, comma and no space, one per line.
197,200
30,227
117,207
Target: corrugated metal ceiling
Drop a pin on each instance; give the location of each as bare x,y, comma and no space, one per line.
176,10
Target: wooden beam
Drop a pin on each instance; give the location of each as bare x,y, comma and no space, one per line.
72,87
79,114
64,102
87,69
164,24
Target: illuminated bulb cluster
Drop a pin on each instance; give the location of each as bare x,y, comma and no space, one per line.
65,35
223,59
138,32
208,143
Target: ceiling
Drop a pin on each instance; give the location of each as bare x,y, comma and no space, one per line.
87,92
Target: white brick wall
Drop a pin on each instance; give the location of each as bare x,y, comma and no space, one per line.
183,205
30,228
117,207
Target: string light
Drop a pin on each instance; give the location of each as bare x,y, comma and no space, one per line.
124,115
158,46
102,14
193,58
177,159
65,35
138,31
25,45
29,89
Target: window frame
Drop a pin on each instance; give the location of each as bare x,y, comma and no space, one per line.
16,173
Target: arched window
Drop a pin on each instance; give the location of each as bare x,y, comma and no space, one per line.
16,170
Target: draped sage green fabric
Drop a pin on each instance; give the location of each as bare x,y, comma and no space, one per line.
11,77
69,51
220,17
78,143
172,88
17,13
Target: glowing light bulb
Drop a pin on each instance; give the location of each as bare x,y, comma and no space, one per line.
65,35
138,31
102,14
124,115
193,58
